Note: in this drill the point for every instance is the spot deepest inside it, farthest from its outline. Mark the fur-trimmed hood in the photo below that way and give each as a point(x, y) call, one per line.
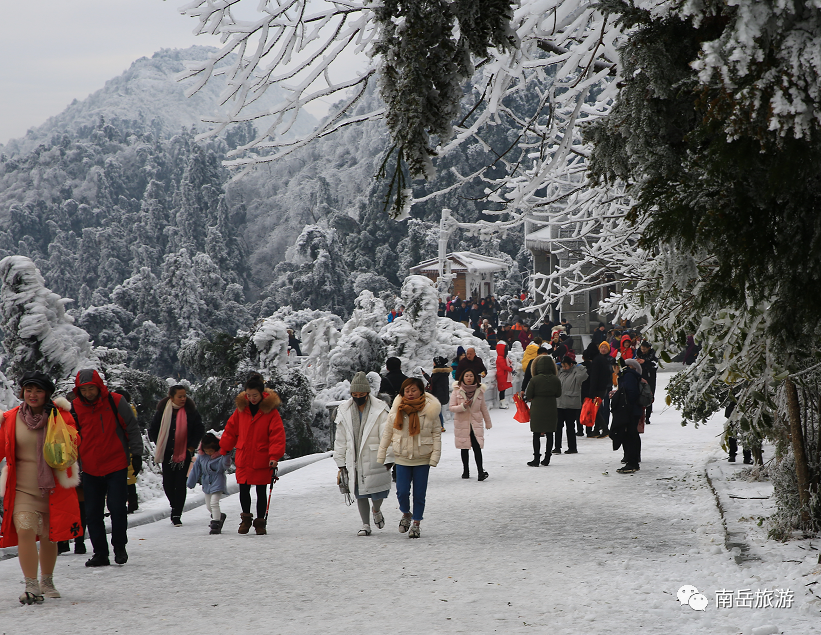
point(270, 401)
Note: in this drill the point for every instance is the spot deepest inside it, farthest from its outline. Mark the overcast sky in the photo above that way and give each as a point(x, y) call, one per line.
point(54, 51)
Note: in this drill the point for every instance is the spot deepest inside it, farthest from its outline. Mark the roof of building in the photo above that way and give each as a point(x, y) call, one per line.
point(463, 262)
point(540, 239)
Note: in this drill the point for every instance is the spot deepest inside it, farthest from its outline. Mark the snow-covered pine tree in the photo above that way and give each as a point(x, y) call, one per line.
point(38, 335)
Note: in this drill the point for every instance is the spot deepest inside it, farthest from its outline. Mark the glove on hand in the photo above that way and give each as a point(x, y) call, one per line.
point(137, 464)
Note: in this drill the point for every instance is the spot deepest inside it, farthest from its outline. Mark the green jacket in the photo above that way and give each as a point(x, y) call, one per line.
point(542, 392)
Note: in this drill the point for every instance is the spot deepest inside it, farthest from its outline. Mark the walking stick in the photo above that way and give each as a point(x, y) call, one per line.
point(274, 479)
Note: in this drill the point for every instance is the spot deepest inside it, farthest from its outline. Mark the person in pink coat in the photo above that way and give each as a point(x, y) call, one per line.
point(470, 417)
point(503, 372)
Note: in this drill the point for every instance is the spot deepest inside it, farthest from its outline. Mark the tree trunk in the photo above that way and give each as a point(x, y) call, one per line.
point(797, 437)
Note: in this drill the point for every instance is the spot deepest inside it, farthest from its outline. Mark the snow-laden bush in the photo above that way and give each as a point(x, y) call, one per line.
point(420, 335)
point(8, 394)
point(296, 319)
point(38, 335)
point(369, 311)
point(319, 337)
point(360, 350)
point(270, 338)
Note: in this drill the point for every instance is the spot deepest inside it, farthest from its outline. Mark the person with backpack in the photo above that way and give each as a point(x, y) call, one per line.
point(439, 384)
point(627, 410)
point(110, 434)
point(177, 430)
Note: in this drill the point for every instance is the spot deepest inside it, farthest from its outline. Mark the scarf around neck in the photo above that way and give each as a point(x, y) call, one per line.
point(470, 390)
point(410, 407)
point(180, 434)
point(38, 423)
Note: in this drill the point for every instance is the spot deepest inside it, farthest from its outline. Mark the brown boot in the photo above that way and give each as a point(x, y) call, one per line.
point(245, 523)
point(259, 525)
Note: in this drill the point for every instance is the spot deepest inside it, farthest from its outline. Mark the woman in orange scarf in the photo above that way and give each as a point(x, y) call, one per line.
point(416, 438)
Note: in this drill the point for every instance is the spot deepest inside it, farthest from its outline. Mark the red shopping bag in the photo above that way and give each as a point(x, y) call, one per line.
point(522, 411)
point(590, 409)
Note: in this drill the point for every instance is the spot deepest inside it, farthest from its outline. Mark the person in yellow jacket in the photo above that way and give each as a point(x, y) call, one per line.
point(531, 351)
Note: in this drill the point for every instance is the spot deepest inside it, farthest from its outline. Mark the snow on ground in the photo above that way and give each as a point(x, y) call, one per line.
point(569, 548)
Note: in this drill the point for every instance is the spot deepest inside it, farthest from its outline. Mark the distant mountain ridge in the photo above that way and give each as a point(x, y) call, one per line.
point(145, 98)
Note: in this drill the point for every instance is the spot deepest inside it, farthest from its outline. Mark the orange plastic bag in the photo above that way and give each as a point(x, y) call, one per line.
point(522, 411)
point(590, 409)
point(60, 447)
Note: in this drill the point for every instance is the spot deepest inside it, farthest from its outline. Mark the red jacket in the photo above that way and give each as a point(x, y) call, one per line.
point(503, 369)
point(64, 510)
point(258, 439)
point(106, 445)
point(625, 347)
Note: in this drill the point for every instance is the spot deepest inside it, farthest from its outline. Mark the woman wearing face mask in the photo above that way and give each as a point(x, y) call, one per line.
point(176, 429)
point(360, 422)
point(415, 435)
point(256, 431)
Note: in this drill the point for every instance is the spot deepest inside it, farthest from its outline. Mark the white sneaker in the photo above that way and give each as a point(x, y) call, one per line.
point(503, 405)
point(414, 531)
point(365, 531)
point(404, 524)
point(378, 520)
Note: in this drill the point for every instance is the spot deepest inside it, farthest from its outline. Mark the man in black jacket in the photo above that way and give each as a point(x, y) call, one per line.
point(601, 383)
point(471, 361)
point(392, 381)
point(646, 356)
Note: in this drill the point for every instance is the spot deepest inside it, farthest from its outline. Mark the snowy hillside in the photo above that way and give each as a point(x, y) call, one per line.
point(145, 98)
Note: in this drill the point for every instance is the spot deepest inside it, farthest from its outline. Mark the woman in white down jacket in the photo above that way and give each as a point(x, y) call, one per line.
point(360, 423)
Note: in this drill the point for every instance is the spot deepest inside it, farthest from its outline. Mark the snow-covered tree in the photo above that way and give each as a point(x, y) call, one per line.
point(358, 350)
point(369, 311)
point(270, 339)
point(38, 334)
point(319, 337)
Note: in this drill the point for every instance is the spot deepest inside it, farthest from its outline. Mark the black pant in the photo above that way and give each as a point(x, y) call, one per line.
point(537, 449)
point(566, 419)
point(174, 484)
point(477, 454)
point(602, 417)
point(632, 442)
point(501, 395)
point(111, 490)
point(245, 499)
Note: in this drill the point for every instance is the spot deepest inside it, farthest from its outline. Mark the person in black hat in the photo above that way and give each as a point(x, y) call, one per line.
point(439, 384)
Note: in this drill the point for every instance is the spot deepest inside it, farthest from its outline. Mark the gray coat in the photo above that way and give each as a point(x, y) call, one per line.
point(572, 381)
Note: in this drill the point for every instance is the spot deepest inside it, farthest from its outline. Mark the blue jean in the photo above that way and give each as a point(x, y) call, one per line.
point(113, 490)
point(418, 475)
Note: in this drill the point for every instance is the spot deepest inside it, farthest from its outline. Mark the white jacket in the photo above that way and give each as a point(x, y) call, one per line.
point(424, 448)
point(363, 469)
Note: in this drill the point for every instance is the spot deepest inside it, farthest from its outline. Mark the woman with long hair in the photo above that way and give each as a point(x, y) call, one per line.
point(470, 418)
point(256, 431)
point(176, 429)
point(415, 435)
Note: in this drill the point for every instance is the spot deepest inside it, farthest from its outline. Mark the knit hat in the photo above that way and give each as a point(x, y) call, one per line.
point(605, 346)
point(634, 364)
point(359, 383)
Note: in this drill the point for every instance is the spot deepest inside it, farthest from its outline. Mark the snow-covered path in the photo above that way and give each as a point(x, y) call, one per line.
point(561, 549)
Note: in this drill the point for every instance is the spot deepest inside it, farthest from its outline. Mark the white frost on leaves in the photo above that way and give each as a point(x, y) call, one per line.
point(319, 337)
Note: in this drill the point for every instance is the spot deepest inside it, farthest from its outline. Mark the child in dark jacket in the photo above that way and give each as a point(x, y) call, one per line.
point(209, 469)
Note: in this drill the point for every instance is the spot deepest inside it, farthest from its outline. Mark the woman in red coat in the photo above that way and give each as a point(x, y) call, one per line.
point(503, 371)
point(38, 501)
point(256, 431)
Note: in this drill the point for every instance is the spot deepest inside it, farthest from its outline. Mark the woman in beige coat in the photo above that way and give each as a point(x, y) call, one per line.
point(415, 435)
point(470, 417)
